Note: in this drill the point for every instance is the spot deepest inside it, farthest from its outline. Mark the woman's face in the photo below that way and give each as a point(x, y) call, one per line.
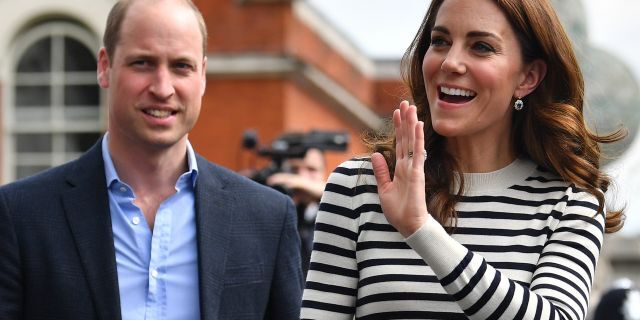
point(472, 70)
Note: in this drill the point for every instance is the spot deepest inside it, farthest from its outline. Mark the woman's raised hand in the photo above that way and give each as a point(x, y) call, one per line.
point(403, 198)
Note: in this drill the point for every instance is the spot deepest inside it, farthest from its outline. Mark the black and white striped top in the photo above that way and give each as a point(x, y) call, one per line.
point(525, 247)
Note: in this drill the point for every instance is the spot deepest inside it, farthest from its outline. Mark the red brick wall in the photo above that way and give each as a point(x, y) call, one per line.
point(231, 106)
point(273, 106)
point(244, 28)
point(309, 47)
point(387, 96)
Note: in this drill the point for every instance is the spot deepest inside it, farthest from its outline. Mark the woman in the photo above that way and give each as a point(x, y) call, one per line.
point(505, 218)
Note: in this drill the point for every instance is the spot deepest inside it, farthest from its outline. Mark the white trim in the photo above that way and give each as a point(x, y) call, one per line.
point(16, 15)
point(238, 65)
point(346, 102)
point(387, 69)
point(327, 32)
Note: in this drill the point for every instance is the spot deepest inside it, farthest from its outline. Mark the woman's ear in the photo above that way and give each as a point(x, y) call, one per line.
point(533, 74)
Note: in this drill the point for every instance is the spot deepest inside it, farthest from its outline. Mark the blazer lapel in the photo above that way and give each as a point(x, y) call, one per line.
point(214, 219)
point(86, 205)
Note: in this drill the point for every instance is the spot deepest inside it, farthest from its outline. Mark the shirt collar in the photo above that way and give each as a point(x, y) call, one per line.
point(112, 175)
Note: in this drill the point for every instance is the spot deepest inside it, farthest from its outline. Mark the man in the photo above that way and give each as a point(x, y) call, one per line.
point(306, 179)
point(141, 227)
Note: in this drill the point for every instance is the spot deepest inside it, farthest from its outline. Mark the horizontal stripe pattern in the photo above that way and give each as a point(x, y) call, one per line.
point(526, 249)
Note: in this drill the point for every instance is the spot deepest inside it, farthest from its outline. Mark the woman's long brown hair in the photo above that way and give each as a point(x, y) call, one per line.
point(550, 131)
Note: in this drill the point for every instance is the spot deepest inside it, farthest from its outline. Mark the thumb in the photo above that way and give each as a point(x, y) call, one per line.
point(380, 171)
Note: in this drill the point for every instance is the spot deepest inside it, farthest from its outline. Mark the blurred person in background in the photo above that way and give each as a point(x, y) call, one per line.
point(305, 179)
point(620, 302)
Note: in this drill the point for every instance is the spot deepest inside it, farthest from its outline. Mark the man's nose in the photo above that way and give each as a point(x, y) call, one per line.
point(162, 84)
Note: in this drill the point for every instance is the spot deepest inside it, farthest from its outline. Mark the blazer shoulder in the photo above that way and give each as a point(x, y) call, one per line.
point(87, 166)
point(214, 176)
point(44, 179)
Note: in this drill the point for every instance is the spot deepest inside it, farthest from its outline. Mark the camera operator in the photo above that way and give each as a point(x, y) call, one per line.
point(306, 179)
point(298, 169)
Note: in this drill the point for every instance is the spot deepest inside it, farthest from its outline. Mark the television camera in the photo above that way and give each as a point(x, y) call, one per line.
point(291, 145)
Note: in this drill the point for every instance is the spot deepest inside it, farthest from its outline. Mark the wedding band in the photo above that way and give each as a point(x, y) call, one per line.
point(410, 154)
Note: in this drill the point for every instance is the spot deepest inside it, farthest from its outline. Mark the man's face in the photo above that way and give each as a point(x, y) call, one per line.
point(156, 77)
point(311, 166)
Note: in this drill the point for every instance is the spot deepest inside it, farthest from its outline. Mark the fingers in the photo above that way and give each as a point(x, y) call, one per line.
point(397, 123)
point(380, 171)
point(402, 131)
point(419, 154)
point(405, 122)
point(410, 120)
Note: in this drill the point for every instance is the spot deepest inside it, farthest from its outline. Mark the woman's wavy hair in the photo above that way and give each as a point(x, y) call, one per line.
point(551, 130)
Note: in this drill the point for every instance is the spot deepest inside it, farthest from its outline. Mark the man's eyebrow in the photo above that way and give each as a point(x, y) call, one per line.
point(139, 55)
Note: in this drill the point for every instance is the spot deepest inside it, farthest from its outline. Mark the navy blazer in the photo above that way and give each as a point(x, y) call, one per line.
point(57, 258)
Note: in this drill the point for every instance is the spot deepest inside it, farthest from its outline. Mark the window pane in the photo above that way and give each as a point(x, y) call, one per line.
point(91, 113)
point(28, 96)
point(33, 114)
point(80, 142)
point(83, 95)
point(33, 142)
point(77, 57)
point(25, 171)
point(37, 58)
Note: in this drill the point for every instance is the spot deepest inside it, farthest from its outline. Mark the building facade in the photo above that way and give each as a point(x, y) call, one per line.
point(273, 66)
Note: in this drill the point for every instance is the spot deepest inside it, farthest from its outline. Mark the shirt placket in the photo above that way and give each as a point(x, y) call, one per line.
point(157, 295)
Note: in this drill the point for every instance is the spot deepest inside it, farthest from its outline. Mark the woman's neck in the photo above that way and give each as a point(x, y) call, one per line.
point(478, 156)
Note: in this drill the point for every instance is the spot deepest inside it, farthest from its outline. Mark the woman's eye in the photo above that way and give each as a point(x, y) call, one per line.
point(483, 47)
point(437, 41)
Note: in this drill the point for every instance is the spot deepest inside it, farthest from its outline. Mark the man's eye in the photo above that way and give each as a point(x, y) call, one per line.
point(183, 66)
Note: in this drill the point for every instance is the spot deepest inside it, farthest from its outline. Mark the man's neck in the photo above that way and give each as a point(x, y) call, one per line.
point(148, 169)
point(151, 172)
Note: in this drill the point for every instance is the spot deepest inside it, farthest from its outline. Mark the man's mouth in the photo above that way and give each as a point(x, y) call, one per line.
point(156, 113)
point(454, 95)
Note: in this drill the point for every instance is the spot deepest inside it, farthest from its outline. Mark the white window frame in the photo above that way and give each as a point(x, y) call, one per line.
point(56, 125)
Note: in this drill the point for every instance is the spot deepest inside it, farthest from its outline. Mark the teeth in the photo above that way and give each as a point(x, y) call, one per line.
point(158, 113)
point(457, 92)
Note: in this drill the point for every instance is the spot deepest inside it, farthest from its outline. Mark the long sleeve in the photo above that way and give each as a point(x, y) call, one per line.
point(561, 282)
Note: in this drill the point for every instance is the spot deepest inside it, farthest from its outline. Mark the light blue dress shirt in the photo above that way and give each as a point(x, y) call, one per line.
point(157, 272)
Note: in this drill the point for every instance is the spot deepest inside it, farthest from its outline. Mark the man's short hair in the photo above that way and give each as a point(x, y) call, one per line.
point(116, 18)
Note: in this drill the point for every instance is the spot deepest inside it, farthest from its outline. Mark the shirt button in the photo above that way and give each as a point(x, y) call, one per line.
point(154, 273)
point(123, 189)
point(135, 220)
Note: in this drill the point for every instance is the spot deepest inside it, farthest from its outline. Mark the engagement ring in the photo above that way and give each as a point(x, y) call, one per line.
point(424, 152)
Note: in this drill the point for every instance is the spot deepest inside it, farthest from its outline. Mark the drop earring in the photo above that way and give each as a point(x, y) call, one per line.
point(518, 105)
